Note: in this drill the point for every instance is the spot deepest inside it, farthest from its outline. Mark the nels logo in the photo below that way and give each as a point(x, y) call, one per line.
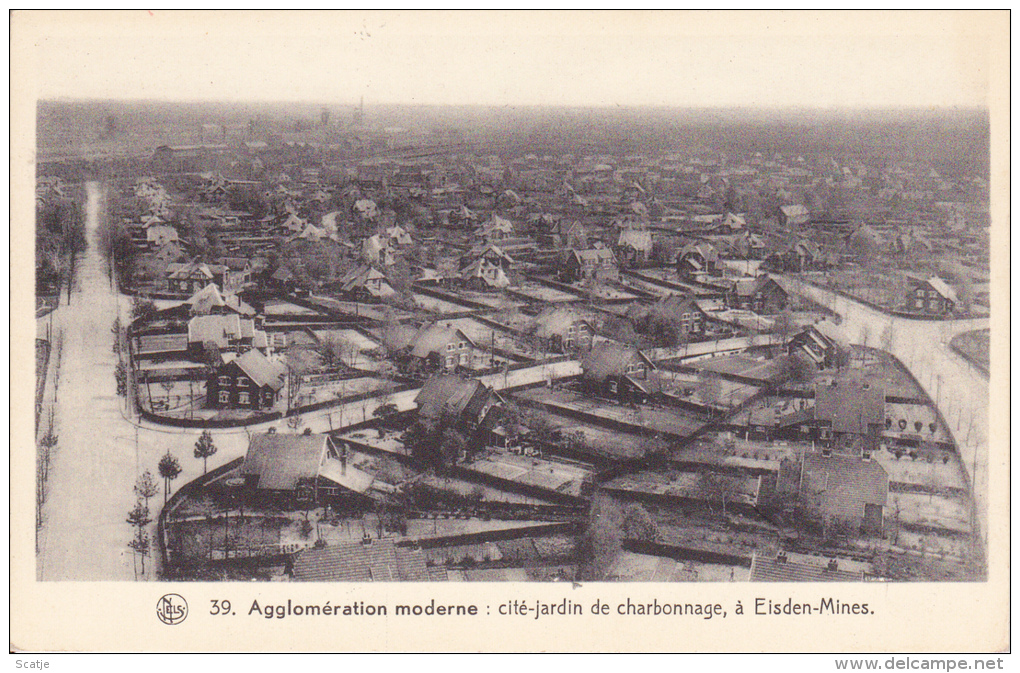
point(172, 609)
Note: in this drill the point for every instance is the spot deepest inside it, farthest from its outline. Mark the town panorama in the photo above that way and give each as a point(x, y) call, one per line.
point(380, 343)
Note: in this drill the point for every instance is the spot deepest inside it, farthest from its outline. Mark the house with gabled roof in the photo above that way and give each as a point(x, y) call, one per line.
point(366, 561)
point(454, 400)
point(819, 348)
point(482, 274)
point(563, 329)
point(366, 284)
point(376, 250)
point(633, 246)
point(305, 469)
point(619, 371)
point(761, 295)
point(190, 277)
point(210, 301)
point(249, 381)
point(850, 413)
point(496, 228)
point(794, 215)
point(430, 348)
point(696, 259)
point(845, 490)
point(596, 264)
point(930, 296)
point(786, 566)
point(227, 332)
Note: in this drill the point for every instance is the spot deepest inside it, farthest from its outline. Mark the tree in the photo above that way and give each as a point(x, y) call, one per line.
point(143, 310)
point(169, 468)
point(713, 487)
point(783, 326)
point(204, 449)
point(798, 369)
point(601, 542)
point(145, 487)
point(332, 350)
point(140, 545)
point(139, 518)
point(709, 387)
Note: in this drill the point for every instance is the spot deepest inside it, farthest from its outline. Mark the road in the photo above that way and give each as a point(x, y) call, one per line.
point(103, 448)
point(959, 390)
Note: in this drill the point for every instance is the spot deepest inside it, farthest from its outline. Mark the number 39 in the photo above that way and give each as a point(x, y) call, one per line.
point(219, 608)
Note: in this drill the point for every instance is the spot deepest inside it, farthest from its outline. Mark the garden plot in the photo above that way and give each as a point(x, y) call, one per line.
point(467, 489)
point(642, 417)
point(173, 398)
point(375, 311)
point(915, 421)
point(929, 510)
point(278, 307)
point(328, 391)
point(544, 293)
point(936, 474)
point(441, 306)
point(670, 275)
point(547, 474)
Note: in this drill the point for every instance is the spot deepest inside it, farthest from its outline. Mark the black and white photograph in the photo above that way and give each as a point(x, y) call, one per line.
point(547, 298)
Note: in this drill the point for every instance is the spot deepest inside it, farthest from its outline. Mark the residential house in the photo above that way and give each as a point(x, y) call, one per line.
point(227, 332)
point(366, 561)
point(398, 236)
point(696, 259)
point(597, 265)
point(430, 348)
point(850, 414)
point(376, 250)
point(455, 401)
point(210, 301)
point(495, 229)
point(563, 330)
point(633, 246)
point(249, 381)
point(844, 491)
point(619, 371)
point(189, 278)
point(236, 272)
point(794, 215)
point(160, 234)
point(819, 348)
point(304, 470)
point(931, 296)
point(365, 284)
point(483, 274)
point(785, 566)
point(676, 318)
point(761, 295)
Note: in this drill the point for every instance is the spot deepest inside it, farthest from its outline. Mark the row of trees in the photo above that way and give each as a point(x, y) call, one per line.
point(146, 488)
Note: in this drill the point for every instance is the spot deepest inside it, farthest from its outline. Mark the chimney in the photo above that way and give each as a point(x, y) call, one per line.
point(833, 565)
point(781, 557)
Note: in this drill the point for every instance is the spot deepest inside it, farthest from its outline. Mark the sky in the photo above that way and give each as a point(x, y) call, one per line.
point(700, 59)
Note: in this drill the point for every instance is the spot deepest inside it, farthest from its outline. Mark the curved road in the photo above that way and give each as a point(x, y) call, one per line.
point(959, 390)
point(102, 449)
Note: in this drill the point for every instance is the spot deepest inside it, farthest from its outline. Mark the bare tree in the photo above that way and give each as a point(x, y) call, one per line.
point(139, 518)
point(145, 487)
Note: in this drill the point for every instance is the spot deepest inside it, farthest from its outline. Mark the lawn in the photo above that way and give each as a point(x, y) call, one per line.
point(975, 346)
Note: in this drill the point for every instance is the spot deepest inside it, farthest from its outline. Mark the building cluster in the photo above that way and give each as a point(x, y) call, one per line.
point(540, 347)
